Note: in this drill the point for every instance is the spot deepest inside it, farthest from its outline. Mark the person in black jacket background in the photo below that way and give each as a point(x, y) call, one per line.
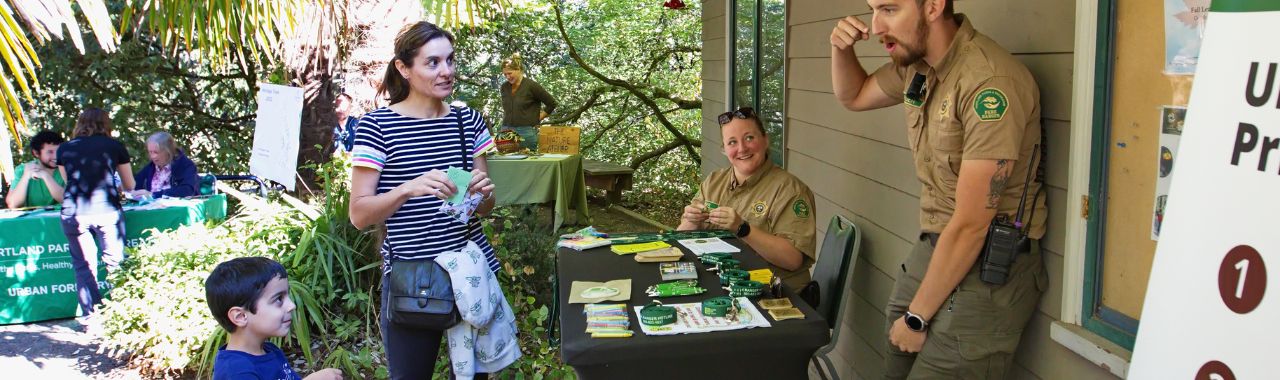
point(170, 173)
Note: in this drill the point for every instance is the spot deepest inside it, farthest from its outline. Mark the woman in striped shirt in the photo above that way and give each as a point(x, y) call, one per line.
point(400, 157)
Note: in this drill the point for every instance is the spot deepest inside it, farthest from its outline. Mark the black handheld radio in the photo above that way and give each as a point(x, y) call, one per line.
point(1006, 238)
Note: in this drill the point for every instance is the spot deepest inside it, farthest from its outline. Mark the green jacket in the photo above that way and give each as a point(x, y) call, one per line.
point(521, 108)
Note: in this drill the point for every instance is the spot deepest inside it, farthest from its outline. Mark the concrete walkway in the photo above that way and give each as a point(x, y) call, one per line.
point(58, 349)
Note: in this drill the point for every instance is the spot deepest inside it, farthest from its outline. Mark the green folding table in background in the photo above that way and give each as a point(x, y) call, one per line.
point(36, 275)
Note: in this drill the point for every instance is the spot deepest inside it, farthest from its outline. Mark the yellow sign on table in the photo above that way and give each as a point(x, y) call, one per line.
point(626, 249)
point(558, 139)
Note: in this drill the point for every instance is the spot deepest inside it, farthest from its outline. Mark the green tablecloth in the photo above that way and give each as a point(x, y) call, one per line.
point(542, 179)
point(35, 263)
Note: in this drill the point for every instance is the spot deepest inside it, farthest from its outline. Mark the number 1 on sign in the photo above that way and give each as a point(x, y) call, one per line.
point(1243, 266)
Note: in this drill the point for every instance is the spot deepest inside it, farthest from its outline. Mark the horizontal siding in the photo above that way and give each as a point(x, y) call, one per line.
point(713, 8)
point(894, 210)
point(884, 125)
point(807, 11)
point(1028, 26)
point(859, 166)
point(714, 27)
point(874, 160)
point(713, 91)
point(715, 50)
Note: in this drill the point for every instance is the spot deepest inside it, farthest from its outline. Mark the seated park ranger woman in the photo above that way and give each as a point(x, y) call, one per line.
point(768, 208)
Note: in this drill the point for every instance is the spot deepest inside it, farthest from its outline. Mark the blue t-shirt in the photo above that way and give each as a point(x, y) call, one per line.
point(239, 365)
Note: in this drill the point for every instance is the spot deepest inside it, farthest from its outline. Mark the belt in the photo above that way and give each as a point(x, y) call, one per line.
point(1023, 247)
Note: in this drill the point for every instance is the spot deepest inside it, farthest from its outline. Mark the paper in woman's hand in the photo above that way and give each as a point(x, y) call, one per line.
point(461, 180)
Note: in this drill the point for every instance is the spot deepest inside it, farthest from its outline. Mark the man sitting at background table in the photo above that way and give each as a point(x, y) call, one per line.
point(768, 208)
point(39, 181)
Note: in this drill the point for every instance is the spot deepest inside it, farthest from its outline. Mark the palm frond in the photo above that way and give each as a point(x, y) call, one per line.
point(451, 12)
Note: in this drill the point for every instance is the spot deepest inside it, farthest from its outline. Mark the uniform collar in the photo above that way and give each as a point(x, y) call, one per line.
point(963, 35)
point(753, 179)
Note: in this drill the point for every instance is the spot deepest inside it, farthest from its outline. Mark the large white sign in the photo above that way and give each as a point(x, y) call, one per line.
point(1212, 312)
point(276, 134)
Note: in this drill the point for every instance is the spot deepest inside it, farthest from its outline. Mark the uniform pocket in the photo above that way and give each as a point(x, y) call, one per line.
point(988, 355)
point(947, 137)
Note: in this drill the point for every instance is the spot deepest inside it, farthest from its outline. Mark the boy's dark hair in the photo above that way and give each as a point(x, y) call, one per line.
point(43, 138)
point(239, 282)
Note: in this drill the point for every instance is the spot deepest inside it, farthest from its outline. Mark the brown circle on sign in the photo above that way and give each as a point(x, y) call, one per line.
point(1242, 295)
point(1208, 370)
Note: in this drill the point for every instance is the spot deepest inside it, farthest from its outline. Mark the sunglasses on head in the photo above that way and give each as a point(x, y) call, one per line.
point(741, 113)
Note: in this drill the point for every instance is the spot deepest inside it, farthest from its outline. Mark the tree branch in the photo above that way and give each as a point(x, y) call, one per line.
point(636, 162)
point(645, 99)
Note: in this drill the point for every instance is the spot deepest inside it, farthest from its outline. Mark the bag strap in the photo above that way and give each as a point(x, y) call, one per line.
point(466, 162)
point(462, 139)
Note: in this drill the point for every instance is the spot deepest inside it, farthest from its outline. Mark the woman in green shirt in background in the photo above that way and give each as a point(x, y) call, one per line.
point(522, 103)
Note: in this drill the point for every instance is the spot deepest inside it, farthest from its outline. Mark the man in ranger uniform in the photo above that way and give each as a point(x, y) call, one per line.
point(973, 125)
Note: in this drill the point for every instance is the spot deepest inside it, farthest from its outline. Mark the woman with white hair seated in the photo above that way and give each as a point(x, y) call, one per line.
point(170, 173)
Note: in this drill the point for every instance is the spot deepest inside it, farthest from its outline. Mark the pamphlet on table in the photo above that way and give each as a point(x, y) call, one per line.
point(708, 245)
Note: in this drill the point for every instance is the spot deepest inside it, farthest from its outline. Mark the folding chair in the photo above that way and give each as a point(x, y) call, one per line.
point(831, 275)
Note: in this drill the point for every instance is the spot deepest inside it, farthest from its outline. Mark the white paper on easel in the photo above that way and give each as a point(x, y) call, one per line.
point(276, 134)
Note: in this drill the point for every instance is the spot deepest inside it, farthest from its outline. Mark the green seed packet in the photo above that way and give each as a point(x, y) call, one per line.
point(460, 178)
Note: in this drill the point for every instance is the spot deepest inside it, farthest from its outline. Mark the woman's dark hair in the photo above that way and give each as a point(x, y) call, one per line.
point(93, 121)
point(239, 282)
point(408, 42)
point(43, 138)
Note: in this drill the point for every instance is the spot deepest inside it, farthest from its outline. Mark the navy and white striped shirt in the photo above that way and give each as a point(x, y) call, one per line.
point(403, 148)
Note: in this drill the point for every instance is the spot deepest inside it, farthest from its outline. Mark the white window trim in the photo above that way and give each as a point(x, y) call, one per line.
point(1069, 331)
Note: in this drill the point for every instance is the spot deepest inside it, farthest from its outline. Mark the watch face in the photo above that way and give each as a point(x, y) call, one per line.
point(914, 322)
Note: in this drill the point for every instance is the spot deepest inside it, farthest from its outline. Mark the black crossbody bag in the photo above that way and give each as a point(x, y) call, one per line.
point(421, 291)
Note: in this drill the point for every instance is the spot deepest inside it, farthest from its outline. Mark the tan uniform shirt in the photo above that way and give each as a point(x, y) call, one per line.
point(980, 103)
point(772, 201)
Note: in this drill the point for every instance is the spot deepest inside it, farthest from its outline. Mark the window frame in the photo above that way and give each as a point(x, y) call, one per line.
point(757, 57)
point(1096, 317)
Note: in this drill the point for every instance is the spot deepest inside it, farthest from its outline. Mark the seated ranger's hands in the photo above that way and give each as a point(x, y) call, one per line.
point(725, 218)
point(695, 213)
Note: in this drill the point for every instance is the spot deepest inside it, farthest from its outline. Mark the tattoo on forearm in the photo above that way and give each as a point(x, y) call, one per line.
point(1000, 179)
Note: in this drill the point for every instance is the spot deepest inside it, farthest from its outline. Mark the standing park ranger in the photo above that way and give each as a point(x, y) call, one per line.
point(973, 124)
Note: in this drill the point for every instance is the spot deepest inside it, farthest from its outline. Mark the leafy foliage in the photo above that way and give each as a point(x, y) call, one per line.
point(658, 51)
point(210, 114)
point(158, 313)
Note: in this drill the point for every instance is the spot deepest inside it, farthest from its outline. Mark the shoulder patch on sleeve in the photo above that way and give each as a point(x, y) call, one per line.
point(990, 104)
point(801, 208)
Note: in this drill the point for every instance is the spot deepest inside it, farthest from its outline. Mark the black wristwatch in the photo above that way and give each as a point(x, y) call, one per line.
point(744, 229)
point(915, 322)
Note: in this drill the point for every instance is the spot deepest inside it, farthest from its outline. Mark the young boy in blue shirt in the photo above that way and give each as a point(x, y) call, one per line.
point(249, 296)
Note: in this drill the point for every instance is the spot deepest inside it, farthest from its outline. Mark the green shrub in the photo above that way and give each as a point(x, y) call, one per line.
point(158, 315)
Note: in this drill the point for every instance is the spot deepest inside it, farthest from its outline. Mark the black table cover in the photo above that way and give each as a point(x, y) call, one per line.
point(778, 352)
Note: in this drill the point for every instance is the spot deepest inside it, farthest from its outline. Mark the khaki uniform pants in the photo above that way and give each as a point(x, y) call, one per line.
point(976, 331)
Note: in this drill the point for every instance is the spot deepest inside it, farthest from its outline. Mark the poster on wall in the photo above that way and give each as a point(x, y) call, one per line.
point(1183, 30)
point(1212, 304)
point(276, 134)
point(1172, 118)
